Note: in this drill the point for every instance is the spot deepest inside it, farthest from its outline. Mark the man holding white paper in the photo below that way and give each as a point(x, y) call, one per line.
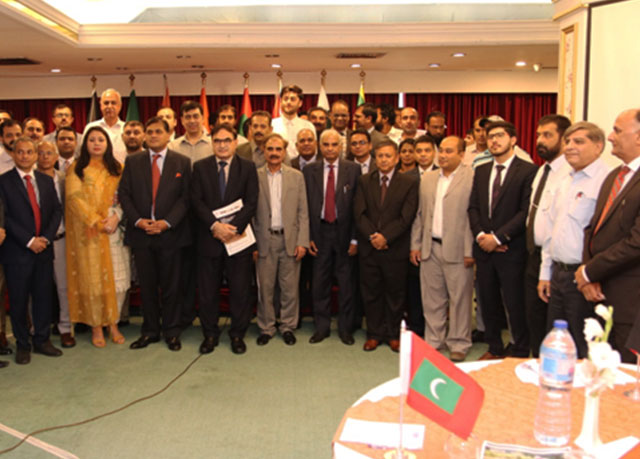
point(218, 182)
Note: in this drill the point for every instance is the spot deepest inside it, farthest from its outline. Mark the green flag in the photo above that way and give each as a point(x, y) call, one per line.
point(435, 385)
point(132, 107)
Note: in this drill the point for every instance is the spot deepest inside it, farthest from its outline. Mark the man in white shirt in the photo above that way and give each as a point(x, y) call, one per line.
point(409, 123)
point(386, 120)
point(340, 117)
point(289, 124)
point(110, 106)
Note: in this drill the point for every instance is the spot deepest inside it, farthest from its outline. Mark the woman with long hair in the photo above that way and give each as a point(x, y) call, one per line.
point(98, 267)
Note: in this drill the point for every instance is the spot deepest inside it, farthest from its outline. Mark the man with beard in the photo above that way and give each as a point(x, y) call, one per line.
point(479, 145)
point(133, 136)
point(340, 116)
point(260, 128)
point(10, 131)
point(289, 124)
point(66, 145)
point(435, 126)
point(33, 128)
point(551, 128)
point(318, 117)
point(63, 117)
point(386, 120)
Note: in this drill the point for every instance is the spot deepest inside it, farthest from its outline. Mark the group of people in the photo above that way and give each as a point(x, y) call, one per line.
point(400, 218)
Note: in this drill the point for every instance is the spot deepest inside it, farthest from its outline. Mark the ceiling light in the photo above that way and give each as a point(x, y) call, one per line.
point(458, 54)
point(521, 64)
point(434, 65)
point(55, 70)
point(355, 66)
point(537, 67)
point(276, 66)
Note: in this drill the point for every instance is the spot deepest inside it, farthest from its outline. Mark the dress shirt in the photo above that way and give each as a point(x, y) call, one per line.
point(365, 166)
point(389, 175)
point(6, 161)
point(633, 165)
point(275, 197)
point(64, 164)
point(115, 132)
point(289, 130)
point(303, 162)
point(571, 210)
point(492, 177)
point(51, 137)
point(394, 134)
point(226, 169)
point(560, 168)
point(324, 183)
point(194, 151)
point(441, 191)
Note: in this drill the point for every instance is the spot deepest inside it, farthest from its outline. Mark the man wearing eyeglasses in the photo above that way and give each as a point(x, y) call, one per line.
point(360, 146)
point(63, 117)
point(339, 116)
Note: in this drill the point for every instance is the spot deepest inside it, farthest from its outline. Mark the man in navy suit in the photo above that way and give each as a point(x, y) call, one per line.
point(154, 195)
point(32, 214)
point(218, 181)
point(331, 185)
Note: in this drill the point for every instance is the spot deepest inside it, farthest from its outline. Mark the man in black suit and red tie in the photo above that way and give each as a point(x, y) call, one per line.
point(154, 195)
point(218, 181)
point(32, 214)
point(497, 212)
point(331, 185)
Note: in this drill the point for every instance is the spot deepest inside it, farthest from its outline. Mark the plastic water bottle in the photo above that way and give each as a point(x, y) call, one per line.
point(552, 425)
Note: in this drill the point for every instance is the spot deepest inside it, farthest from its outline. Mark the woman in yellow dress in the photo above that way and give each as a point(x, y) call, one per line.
point(91, 219)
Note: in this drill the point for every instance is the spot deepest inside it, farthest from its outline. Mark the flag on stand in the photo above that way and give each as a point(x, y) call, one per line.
point(437, 388)
point(361, 99)
point(323, 100)
point(132, 107)
point(275, 113)
point(94, 110)
point(246, 111)
point(166, 100)
point(205, 109)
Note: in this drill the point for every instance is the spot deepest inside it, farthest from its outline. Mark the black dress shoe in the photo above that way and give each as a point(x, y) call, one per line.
point(173, 343)
point(144, 341)
point(3, 363)
point(238, 346)
point(289, 338)
point(477, 336)
point(208, 344)
point(48, 349)
point(263, 339)
point(347, 339)
point(5, 350)
point(317, 337)
point(23, 356)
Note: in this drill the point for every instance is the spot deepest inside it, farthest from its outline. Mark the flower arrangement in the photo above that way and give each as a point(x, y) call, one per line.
point(599, 368)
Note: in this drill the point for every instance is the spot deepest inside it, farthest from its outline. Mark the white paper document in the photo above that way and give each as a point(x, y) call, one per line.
point(383, 434)
point(224, 213)
point(241, 241)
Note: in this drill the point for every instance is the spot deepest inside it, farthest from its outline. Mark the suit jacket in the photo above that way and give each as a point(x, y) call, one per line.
point(295, 162)
point(612, 254)
point(242, 183)
point(508, 219)
point(248, 152)
point(295, 216)
point(19, 221)
point(457, 240)
point(346, 184)
point(172, 199)
point(376, 138)
point(393, 219)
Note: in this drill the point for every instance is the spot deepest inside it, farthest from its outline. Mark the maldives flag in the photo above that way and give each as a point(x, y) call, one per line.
point(437, 388)
point(246, 111)
point(205, 110)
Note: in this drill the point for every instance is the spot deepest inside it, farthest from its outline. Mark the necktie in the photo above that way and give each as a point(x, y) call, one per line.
point(495, 189)
point(34, 203)
point(534, 208)
point(330, 197)
point(222, 179)
point(615, 189)
point(65, 165)
point(383, 188)
point(155, 178)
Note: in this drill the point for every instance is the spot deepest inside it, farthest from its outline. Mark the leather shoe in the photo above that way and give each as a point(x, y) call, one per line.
point(66, 340)
point(394, 344)
point(3, 363)
point(143, 341)
point(371, 345)
point(173, 343)
point(457, 356)
point(317, 338)
point(238, 346)
point(263, 339)
point(23, 356)
point(489, 356)
point(208, 344)
point(347, 339)
point(477, 336)
point(5, 350)
point(289, 338)
point(48, 349)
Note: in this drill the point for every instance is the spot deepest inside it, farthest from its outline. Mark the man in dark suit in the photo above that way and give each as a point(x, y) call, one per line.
point(32, 215)
point(384, 208)
point(218, 181)
point(361, 147)
point(3, 234)
point(340, 117)
point(497, 213)
point(365, 118)
point(154, 195)
point(331, 185)
point(307, 147)
point(611, 257)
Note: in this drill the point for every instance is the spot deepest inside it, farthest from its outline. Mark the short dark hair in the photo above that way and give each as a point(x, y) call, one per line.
point(507, 126)
point(435, 114)
point(226, 127)
point(189, 105)
point(369, 111)
point(213, 117)
point(387, 143)
point(387, 111)
point(67, 128)
point(134, 123)
point(7, 124)
point(426, 139)
point(363, 132)
point(263, 113)
point(562, 122)
point(317, 109)
point(60, 107)
point(409, 141)
point(31, 118)
point(154, 120)
point(292, 88)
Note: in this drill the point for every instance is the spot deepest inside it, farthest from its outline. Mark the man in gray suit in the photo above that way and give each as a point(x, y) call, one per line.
point(260, 128)
point(444, 257)
point(282, 236)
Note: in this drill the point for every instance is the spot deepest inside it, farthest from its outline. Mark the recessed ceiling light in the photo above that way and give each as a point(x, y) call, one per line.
point(458, 54)
point(537, 67)
point(55, 70)
point(434, 65)
point(276, 66)
point(355, 66)
point(521, 64)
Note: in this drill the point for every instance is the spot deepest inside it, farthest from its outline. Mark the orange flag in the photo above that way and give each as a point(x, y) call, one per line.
point(205, 110)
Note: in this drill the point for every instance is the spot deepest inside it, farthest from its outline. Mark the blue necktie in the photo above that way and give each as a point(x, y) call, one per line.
point(222, 180)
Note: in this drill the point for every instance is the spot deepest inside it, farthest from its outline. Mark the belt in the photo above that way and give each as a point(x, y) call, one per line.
point(329, 223)
point(437, 240)
point(59, 236)
point(566, 267)
point(276, 231)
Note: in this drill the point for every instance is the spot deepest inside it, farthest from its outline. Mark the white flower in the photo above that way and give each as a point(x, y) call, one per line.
point(604, 312)
point(603, 356)
point(592, 329)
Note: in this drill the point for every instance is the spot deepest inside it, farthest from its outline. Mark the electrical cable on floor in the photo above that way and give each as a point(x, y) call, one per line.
point(108, 413)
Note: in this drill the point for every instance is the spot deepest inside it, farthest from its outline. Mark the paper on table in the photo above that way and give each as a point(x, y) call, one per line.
point(527, 372)
point(383, 434)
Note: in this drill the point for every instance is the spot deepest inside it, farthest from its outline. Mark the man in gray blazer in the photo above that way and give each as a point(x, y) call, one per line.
point(282, 236)
point(441, 243)
point(260, 128)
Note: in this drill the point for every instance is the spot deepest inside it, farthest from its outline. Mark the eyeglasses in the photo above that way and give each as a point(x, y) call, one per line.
point(226, 141)
point(361, 143)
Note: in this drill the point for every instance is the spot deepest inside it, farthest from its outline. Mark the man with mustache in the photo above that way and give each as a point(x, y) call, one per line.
point(260, 128)
point(110, 106)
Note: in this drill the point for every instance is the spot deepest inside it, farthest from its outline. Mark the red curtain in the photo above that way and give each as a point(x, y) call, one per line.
point(522, 109)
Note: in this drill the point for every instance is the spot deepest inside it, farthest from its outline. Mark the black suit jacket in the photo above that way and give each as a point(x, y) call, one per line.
point(242, 183)
point(19, 222)
point(393, 219)
point(172, 200)
point(508, 219)
point(346, 184)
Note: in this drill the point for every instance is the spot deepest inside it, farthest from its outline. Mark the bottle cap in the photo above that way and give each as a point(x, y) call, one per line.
point(562, 324)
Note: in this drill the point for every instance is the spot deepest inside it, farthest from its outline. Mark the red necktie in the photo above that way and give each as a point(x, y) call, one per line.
point(615, 189)
point(155, 178)
point(34, 203)
point(330, 197)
